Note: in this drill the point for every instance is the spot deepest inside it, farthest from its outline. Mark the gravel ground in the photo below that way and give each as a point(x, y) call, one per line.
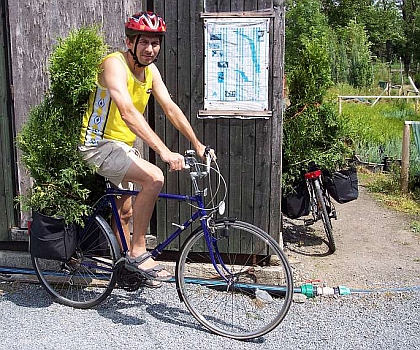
point(155, 319)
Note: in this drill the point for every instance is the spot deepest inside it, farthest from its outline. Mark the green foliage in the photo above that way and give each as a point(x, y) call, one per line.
point(312, 129)
point(49, 138)
point(410, 11)
point(384, 27)
point(339, 62)
point(311, 77)
point(378, 133)
point(382, 20)
point(416, 79)
point(315, 133)
point(304, 22)
point(350, 57)
point(360, 69)
point(71, 66)
point(380, 124)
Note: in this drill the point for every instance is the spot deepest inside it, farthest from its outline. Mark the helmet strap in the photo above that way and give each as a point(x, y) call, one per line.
point(134, 55)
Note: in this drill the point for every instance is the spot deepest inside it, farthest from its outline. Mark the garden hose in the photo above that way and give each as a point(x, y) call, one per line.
point(310, 290)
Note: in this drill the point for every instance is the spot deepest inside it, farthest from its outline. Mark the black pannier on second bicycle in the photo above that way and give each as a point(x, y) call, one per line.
point(342, 185)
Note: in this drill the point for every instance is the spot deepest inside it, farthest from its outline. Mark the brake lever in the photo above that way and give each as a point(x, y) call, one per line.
point(207, 154)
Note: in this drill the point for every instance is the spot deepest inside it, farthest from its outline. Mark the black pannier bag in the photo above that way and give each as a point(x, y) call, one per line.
point(52, 238)
point(296, 204)
point(342, 185)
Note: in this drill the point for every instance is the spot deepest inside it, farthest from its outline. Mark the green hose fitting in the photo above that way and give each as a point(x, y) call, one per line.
point(311, 291)
point(343, 290)
point(307, 290)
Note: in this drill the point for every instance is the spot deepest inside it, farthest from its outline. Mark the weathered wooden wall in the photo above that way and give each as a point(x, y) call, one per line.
point(34, 29)
point(7, 171)
point(249, 151)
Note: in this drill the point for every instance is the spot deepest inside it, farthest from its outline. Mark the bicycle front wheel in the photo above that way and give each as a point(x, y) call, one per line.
point(249, 294)
point(322, 209)
point(88, 277)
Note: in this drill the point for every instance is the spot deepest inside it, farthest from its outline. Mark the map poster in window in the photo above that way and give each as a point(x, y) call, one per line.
point(236, 65)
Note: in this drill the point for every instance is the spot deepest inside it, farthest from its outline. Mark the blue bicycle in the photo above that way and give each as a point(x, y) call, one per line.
point(232, 276)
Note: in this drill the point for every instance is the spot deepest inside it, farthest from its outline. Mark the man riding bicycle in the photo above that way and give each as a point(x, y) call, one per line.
point(115, 118)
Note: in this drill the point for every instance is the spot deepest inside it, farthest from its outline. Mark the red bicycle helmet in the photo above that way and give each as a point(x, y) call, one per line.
point(145, 22)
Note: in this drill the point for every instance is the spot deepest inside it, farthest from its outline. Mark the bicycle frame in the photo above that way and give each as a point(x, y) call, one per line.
point(200, 213)
point(319, 200)
point(311, 177)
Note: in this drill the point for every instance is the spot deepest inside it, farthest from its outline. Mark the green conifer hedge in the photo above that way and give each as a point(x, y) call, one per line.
point(49, 138)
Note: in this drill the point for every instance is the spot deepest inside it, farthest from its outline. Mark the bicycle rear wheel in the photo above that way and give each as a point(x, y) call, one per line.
point(88, 277)
point(326, 220)
point(257, 292)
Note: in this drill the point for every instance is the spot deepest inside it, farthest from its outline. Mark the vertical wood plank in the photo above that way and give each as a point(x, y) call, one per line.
point(262, 163)
point(223, 131)
point(159, 122)
point(7, 218)
point(248, 170)
point(197, 75)
point(184, 98)
point(277, 121)
point(171, 81)
point(217, 130)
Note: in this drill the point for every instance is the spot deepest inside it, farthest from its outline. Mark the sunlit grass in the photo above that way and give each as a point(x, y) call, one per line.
point(385, 188)
point(377, 130)
point(415, 226)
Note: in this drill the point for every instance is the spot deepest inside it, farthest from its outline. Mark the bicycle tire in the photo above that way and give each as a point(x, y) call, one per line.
point(260, 292)
point(88, 277)
point(325, 216)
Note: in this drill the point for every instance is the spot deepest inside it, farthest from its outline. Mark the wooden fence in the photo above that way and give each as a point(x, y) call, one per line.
point(248, 150)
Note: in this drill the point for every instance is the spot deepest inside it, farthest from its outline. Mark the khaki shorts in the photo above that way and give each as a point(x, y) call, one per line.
point(111, 159)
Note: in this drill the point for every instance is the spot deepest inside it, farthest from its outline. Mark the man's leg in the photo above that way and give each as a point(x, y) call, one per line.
point(151, 179)
point(125, 211)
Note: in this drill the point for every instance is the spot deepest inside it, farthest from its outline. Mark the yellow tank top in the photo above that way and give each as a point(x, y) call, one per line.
point(102, 119)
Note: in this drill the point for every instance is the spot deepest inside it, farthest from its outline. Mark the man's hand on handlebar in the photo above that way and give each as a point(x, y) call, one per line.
point(206, 151)
point(175, 161)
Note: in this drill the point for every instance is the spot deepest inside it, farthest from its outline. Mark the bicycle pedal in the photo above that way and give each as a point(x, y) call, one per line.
point(308, 222)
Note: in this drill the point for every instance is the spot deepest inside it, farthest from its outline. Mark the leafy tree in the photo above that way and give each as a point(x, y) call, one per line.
point(311, 77)
point(381, 19)
point(359, 56)
point(304, 22)
point(384, 28)
point(410, 10)
point(341, 12)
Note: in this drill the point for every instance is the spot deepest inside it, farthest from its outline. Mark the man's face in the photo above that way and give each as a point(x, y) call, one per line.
point(147, 48)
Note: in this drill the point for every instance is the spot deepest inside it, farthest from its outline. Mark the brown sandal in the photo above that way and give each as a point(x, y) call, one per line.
point(132, 264)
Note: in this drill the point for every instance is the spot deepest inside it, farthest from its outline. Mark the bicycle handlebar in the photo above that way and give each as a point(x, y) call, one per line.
point(191, 161)
point(197, 172)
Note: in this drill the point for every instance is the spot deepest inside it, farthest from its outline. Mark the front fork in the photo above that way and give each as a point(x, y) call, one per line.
point(216, 258)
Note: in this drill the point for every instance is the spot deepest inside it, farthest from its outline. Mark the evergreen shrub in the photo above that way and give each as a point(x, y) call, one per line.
point(49, 138)
point(312, 129)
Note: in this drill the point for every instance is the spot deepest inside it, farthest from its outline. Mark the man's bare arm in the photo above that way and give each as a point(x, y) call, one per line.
point(114, 78)
point(173, 112)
